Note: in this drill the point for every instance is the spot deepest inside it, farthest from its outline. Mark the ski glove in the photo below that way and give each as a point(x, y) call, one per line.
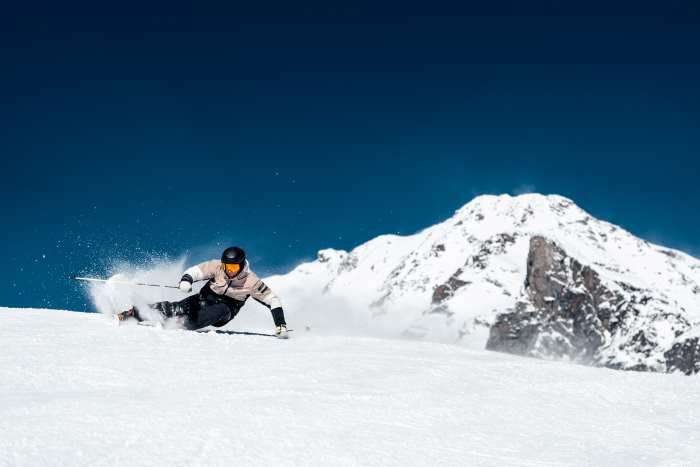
point(186, 283)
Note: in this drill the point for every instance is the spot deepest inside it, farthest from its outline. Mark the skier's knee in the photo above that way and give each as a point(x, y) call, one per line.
point(209, 316)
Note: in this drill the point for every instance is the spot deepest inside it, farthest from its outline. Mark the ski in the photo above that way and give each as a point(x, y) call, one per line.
point(243, 333)
point(153, 324)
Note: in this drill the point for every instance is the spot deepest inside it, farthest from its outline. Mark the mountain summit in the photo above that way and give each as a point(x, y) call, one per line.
point(601, 295)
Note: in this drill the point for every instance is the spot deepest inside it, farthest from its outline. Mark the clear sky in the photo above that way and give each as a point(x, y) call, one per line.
point(128, 131)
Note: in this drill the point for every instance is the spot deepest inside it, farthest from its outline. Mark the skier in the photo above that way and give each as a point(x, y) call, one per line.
point(230, 283)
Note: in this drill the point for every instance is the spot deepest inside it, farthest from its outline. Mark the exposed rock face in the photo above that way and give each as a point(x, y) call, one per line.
point(567, 311)
point(497, 245)
point(444, 292)
point(684, 356)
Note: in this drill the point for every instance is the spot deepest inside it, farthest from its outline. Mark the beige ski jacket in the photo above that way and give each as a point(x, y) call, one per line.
point(245, 284)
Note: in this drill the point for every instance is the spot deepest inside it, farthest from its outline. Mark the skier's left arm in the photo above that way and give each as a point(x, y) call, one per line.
point(263, 294)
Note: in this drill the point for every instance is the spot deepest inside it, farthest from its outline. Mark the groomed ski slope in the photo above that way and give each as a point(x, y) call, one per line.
point(76, 390)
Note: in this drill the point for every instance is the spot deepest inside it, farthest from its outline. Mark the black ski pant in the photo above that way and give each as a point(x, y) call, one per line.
point(201, 310)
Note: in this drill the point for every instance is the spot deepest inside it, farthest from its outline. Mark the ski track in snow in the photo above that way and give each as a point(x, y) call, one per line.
point(76, 390)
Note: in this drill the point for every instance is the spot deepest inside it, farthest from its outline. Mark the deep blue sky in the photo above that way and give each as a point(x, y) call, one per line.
point(159, 129)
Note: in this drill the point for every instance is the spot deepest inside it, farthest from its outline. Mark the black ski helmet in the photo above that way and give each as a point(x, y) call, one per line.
point(233, 255)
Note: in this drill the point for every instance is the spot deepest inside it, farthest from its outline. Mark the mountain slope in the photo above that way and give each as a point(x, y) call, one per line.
point(449, 282)
point(567, 310)
point(78, 391)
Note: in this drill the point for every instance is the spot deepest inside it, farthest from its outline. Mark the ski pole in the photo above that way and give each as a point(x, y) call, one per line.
point(94, 279)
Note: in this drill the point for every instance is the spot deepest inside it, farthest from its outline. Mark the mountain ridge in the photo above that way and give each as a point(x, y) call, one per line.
point(449, 282)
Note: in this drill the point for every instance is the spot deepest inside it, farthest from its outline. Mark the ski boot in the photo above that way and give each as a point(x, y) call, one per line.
point(126, 315)
point(281, 332)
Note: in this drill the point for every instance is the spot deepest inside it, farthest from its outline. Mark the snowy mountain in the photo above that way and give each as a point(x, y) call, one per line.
point(451, 282)
point(77, 391)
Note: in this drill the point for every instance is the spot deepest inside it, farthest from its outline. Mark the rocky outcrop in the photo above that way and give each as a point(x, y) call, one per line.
point(568, 311)
point(496, 245)
point(444, 292)
point(684, 356)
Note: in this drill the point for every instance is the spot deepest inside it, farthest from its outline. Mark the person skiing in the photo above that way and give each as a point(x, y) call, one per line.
point(230, 284)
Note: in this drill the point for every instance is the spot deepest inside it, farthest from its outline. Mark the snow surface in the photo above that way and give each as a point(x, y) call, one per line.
point(76, 390)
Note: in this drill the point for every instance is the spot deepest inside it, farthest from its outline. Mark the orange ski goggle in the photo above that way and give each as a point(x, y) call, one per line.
point(232, 267)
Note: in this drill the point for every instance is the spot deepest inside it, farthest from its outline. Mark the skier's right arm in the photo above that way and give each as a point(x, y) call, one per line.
point(200, 272)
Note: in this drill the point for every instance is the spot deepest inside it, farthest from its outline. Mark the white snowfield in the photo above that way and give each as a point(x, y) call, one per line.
point(77, 391)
